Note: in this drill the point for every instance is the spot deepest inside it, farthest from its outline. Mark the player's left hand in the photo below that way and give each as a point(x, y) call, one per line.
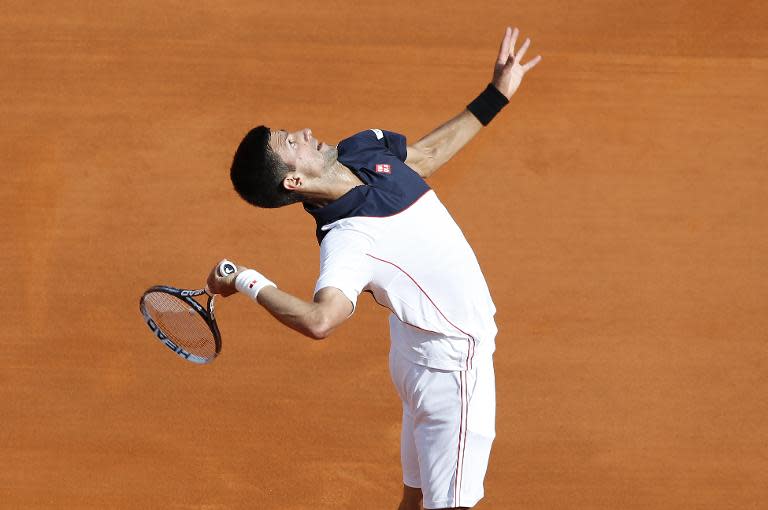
point(508, 72)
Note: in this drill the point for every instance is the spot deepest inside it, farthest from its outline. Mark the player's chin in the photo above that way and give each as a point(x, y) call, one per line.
point(328, 152)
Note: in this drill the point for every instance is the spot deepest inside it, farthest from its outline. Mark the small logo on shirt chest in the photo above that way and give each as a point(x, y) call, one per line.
point(383, 169)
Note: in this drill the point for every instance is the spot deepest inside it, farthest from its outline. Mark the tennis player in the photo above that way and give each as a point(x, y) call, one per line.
point(382, 230)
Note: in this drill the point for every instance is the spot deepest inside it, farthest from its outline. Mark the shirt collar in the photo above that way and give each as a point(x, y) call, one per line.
point(340, 208)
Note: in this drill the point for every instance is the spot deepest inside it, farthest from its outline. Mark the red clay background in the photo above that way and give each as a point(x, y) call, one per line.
point(617, 206)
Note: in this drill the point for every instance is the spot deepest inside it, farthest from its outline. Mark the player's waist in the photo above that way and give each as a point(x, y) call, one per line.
point(442, 350)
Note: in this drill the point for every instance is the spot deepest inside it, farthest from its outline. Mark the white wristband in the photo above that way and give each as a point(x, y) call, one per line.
point(250, 283)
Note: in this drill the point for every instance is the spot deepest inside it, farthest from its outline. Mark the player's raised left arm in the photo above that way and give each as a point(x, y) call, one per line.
point(440, 145)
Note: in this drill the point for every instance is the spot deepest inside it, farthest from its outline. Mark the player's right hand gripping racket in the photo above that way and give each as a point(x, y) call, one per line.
point(181, 323)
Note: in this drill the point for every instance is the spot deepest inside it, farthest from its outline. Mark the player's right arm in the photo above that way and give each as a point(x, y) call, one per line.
point(441, 144)
point(316, 319)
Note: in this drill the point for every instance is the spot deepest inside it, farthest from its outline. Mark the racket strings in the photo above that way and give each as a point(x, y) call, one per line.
point(181, 323)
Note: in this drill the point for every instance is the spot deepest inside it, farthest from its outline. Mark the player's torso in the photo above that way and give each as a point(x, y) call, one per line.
point(419, 263)
point(425, 272)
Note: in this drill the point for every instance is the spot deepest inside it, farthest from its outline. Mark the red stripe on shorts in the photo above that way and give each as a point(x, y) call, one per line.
point(462, 438)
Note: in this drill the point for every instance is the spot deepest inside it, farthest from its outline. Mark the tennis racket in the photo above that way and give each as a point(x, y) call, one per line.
point(181, 323)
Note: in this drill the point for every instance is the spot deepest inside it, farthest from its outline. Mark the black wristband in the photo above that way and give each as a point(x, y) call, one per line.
point(487, 104)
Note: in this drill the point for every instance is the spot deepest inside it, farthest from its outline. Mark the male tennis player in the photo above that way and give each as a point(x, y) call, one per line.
point(383, 230)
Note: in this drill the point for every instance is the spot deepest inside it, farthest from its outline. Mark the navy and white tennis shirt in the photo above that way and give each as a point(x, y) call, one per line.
point(393, 237)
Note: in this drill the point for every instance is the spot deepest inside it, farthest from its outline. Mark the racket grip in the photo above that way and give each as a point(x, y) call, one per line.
point(226, 268)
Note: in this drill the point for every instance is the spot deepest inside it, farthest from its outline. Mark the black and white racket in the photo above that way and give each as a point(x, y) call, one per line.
point(181, 323)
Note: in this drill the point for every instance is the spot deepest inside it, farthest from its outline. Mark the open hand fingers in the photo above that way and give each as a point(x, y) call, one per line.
point(522, 50)
point(511, 54)
point(530, 64)
point(504, 49)
point(509, 69)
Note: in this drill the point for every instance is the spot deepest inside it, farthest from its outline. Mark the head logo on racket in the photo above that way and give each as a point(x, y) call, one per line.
point(182, 324)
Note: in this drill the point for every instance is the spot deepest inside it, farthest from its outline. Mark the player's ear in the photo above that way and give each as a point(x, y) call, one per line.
point(292, 181)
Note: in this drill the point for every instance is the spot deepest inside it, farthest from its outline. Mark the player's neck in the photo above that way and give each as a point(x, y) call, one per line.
point(335, 183)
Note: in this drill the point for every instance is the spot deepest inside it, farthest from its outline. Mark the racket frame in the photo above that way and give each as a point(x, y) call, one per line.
point(207, 313)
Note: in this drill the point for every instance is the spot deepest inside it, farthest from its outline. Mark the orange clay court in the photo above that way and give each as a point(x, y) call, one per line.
point(618, 207)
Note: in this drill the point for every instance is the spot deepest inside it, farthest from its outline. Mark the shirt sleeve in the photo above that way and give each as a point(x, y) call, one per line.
point(395, 142)
point(344, 263)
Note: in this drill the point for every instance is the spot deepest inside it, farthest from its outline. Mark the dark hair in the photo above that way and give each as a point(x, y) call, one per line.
point(257, 173)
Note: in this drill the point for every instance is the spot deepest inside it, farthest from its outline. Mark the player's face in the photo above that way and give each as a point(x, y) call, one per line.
point(302, 151)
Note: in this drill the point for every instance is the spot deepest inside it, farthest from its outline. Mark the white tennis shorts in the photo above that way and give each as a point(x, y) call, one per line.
point(448, 428)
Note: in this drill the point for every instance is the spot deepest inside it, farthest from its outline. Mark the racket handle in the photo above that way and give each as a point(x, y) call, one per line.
point(226, 268)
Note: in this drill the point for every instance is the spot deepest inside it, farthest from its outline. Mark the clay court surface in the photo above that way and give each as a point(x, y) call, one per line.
point(618, 207)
